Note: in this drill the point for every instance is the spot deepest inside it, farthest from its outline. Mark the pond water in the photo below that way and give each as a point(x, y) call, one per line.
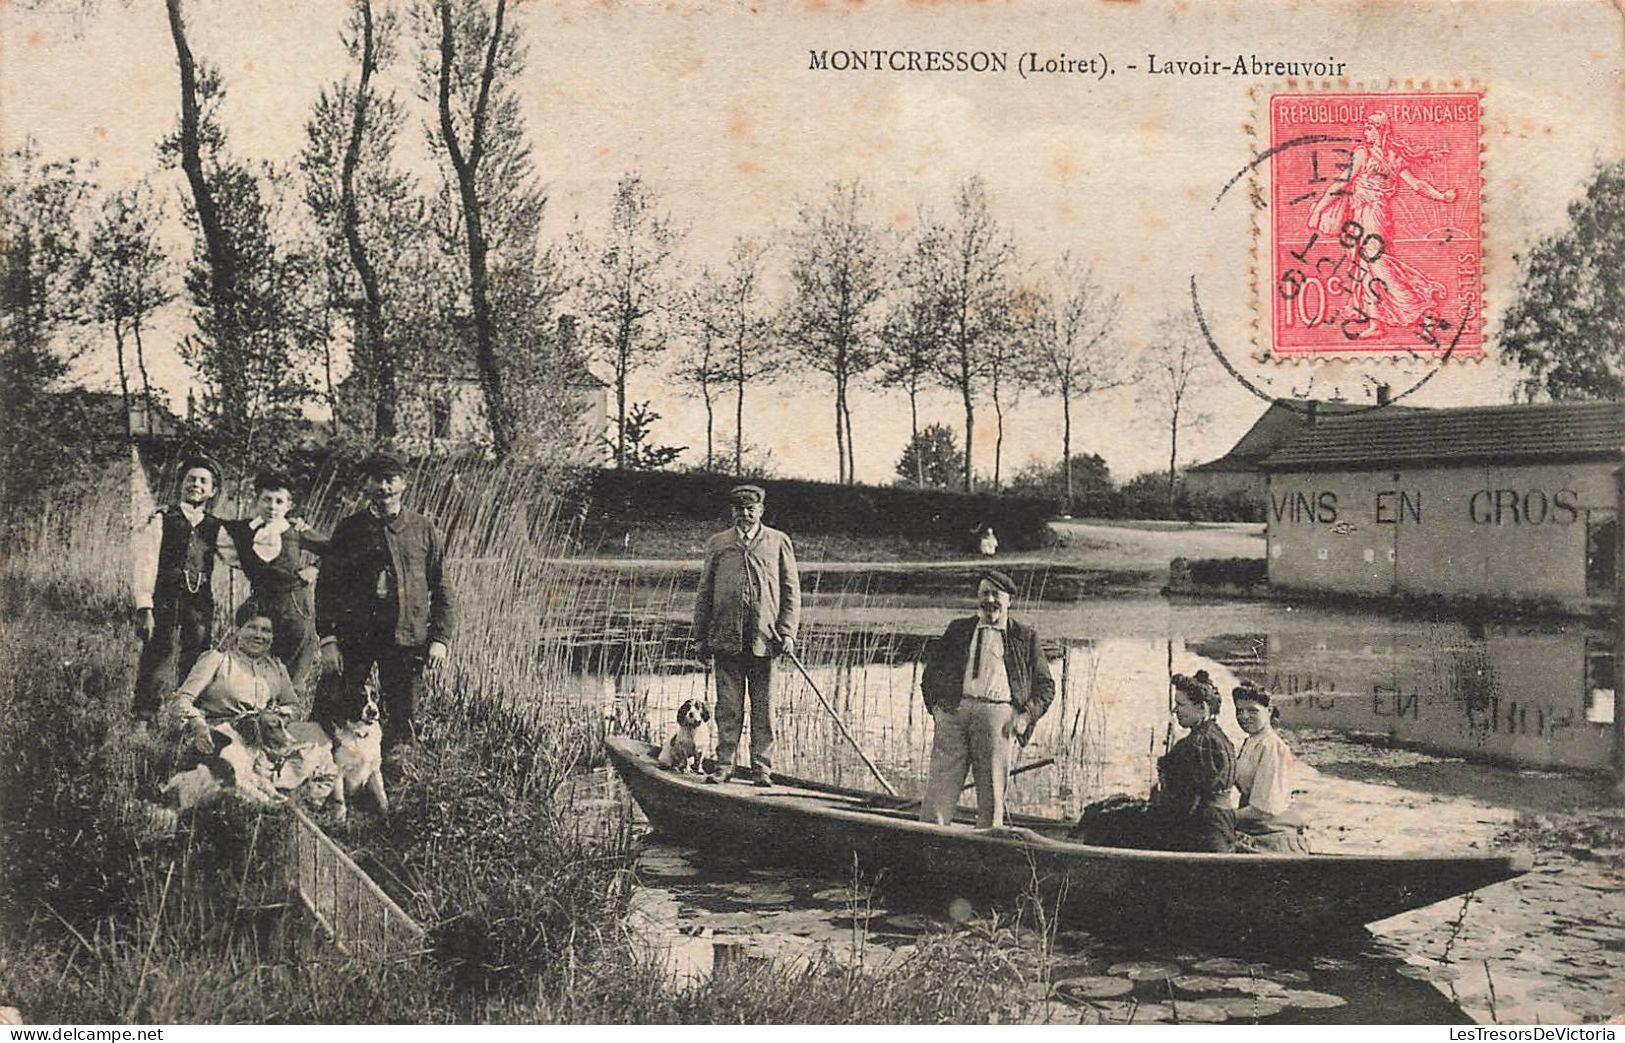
point(1548, 947)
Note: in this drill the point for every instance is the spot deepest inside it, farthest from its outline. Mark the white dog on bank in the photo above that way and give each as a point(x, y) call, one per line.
point(682, 751)
point(358, 754)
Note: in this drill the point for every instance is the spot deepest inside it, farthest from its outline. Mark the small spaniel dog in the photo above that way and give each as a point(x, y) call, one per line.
point(358, 755)
point(682, 750)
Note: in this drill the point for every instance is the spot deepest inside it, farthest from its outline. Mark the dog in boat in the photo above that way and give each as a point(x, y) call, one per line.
point(682, 751)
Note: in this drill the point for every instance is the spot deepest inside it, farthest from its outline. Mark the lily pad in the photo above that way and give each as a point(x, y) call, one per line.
point(1284, 974)
point(1333, 963)
point(1095, 987)
point(1308, 999)
point(843, 895)
point(1222, 965)
point(912, 922)
point(1064, 969)
point(1250, 1007)
point(1205, 1012)
point(1150, 1014)
point(1145, 970)
point(1254, 986)
point(1431, 972)
point(763, 896)
point(1197, 984)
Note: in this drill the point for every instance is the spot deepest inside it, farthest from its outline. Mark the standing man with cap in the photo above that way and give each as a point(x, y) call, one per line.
point(746, 612)
point(986, 682)
point(173, 556)
point(381, 597)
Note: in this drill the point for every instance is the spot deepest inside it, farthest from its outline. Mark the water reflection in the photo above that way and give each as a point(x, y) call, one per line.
point(1546, 947)
point(1525, 694)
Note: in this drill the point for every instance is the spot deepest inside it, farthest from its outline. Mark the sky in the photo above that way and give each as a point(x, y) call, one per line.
point(716, 106)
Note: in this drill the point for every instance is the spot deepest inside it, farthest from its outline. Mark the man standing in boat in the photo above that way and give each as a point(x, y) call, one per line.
point(986, 684)
point(745, 613)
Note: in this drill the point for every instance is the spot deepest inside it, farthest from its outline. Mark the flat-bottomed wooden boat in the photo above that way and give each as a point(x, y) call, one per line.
point(801, 823)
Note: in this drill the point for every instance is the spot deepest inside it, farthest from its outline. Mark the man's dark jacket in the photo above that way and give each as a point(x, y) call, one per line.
point(1031, 685)
point(346, 588)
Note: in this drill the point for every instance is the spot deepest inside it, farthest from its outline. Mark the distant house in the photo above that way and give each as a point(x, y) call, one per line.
point(104, 417)
point(1240, 473)
point(443, 411)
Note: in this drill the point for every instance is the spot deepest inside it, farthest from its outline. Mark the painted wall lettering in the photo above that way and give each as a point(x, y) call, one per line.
point(1299, 507)
point(1395, 505)
point(1529, 507)
point(1391, 702)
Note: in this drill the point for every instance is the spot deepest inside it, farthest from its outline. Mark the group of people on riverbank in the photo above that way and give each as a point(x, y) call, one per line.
point(379, 600)
point(986, 684)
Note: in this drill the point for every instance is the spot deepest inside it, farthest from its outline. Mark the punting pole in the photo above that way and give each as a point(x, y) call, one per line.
point(840, 723)
point(1619, 635)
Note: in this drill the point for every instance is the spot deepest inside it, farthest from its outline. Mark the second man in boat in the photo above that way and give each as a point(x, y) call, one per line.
point(986, 684)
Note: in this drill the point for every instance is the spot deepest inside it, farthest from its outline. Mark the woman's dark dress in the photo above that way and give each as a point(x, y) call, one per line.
point(1188, 811)
point(282, 594)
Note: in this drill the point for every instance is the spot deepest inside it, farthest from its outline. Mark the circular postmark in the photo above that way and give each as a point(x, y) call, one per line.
point(1371, 258)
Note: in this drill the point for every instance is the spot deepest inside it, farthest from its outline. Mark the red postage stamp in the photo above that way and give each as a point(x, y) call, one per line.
point(1374, 224)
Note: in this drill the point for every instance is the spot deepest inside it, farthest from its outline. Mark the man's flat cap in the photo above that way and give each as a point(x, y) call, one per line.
point(746, 495)
point(998, 579)
point(199, 460)
point(384, 463)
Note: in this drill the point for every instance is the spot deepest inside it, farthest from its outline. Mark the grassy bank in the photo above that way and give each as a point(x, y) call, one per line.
point(101, 920)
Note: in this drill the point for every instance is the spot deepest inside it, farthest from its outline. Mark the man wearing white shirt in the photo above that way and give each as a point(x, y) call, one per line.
point(986, 682)
point(173, 556)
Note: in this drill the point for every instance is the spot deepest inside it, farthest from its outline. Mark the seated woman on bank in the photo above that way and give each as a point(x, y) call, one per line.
point(1189, 809)
point(1266, 821)
point(235, 705)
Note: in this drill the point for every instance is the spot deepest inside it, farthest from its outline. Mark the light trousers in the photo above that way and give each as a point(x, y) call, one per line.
point(974, 735)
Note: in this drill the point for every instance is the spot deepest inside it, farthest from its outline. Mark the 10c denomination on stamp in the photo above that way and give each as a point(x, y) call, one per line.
point(1374, 224)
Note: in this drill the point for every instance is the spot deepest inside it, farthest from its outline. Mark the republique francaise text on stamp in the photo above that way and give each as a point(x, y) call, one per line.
point(1374, 224)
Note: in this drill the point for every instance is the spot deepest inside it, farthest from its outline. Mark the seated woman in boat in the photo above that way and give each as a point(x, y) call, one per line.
point(1266, 820)
point(1189, 809)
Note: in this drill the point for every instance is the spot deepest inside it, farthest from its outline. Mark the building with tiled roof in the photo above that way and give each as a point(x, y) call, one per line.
point(1240, 471)
point(1514, 503)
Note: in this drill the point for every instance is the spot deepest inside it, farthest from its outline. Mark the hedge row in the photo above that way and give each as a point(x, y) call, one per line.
point(609, 500)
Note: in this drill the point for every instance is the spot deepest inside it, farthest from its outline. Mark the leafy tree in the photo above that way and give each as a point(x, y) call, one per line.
point(734, 312)
point(911, 338)
point(932, 459)
point(627, 289)
point(129, 280)
point(1566, 328)
point(250, 282)
point(43, 271)
point(640, 452)
point(1084, 477)
point(1176, 356)
point(702, 365)
point(976, 257)
point(368, 213)
point(1070, 337)
point(1012, 363)
point(838, 279)
point(472, 59)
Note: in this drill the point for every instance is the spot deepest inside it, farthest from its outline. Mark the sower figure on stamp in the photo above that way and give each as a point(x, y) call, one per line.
point(173, 556)
point(746, 612)
point(1358, 208)
point(986, 682)
point(382, 598)
point(270, 549)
